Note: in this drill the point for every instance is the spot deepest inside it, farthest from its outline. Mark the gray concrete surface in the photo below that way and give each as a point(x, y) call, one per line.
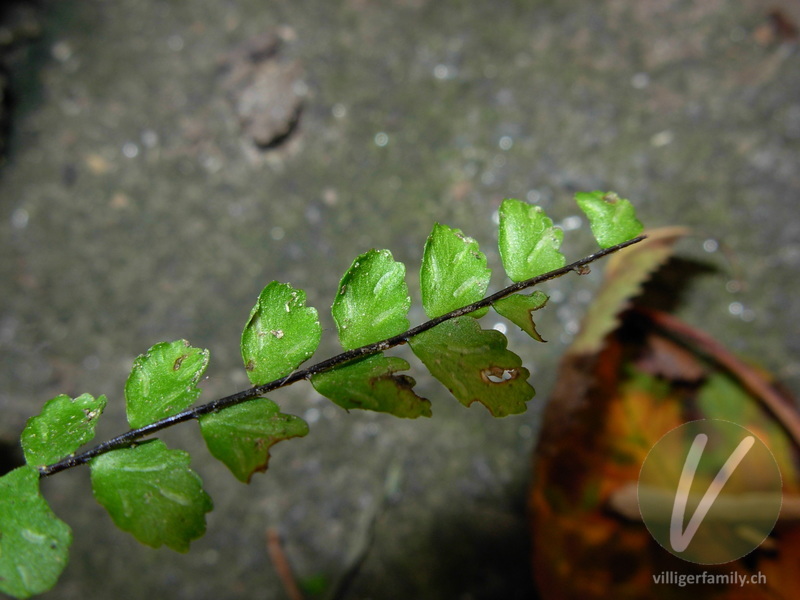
point(135, 207)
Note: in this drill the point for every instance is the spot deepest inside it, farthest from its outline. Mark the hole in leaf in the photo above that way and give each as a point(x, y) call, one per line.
point(498, 375)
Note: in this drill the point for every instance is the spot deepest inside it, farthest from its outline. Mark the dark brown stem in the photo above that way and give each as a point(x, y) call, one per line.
point(130, 437)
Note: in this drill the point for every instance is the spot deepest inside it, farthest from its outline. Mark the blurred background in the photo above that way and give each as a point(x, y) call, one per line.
point(163, 161)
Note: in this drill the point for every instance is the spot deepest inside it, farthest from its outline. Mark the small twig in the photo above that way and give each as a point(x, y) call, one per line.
point(129, 438)
point(281, 564)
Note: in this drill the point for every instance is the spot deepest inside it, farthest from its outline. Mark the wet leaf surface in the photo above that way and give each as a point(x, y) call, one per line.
point(281, 333)
point(163, 382)
point(529, 243)
point(372, 301)
point(63, 426)
point(454, 272)
point(612, 219)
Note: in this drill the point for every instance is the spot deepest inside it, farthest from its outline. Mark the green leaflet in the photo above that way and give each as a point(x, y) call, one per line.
point(281, 333)
point(519, 310)
point(454, 272)
point(34, 543)
point(528, 242)
point(370, 383)
point(612, 219)
point(151, 492)
point(163, 382)
point(474, 365)
point(372, 301)
point(241, 436)
point(62, 427)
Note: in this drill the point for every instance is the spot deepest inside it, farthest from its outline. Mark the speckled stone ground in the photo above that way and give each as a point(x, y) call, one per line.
point(135, 208)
